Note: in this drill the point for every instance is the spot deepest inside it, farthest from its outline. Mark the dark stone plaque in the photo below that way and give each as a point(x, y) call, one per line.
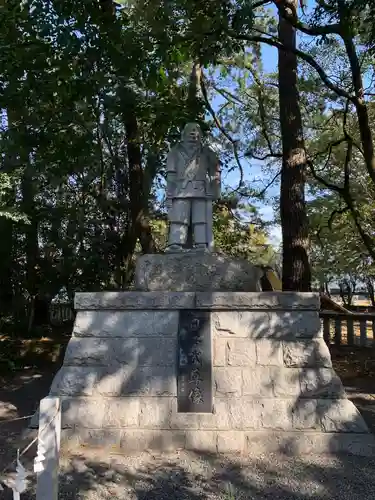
point(194, 376)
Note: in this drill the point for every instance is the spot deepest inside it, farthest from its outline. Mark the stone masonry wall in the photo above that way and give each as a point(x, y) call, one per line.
point(274, 386)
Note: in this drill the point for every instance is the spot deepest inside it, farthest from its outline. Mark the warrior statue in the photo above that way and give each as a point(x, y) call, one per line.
point(193, 183)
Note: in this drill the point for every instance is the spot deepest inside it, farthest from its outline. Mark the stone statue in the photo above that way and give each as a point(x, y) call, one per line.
point(193, 183)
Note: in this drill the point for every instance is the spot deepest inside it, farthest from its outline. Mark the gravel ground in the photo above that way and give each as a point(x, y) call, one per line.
point(186, 475)
point(183, 476)
point(190, 476)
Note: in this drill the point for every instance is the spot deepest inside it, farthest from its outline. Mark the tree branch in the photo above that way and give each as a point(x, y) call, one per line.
point(265, 157)
point(221, 128)
point(305, 57)
point(328, 29)
point(263, 192)
point(334, 214)
point(321, 180)
point(344, 193)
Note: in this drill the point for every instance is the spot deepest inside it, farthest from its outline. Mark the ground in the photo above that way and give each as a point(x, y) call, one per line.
point(191, 476)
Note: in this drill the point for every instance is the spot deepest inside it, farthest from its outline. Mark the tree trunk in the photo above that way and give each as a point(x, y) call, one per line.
point(370, 290)
point(347, 34)
point(138, 199)
point(294, 223)
point(31, 238)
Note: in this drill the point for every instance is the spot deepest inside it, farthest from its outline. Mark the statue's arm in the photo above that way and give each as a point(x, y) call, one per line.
point(215, 175)
point(171, 175)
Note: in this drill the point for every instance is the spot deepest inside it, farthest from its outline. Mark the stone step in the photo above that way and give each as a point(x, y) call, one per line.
point(239, 442)
point(324, 415)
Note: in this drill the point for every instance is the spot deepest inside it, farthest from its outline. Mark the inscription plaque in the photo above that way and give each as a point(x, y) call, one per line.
point(194, 378)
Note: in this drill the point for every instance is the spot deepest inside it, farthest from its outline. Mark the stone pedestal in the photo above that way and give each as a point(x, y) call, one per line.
point(273, 386)
point(194, 272)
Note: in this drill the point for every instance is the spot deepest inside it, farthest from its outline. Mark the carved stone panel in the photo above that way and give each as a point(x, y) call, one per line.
point(194, 378)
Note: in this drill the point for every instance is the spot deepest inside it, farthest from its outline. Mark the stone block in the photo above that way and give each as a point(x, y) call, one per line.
point(286, 443)
point(92, 301)
point(187, 421)
point(305, 415)
point(230, 442)
point(286, 382)
point(194, 271)
point(86, 351)
point(275, 414)
point(114, 381)
point(240, 352)
point(258, 300)
point(321, 383)
point(228, 381)
point(281, 325)
point(307, 443)
point(201, 441)
point(244, 413)
point(126, 324)
point(141, 381)
point(141, 440)
point(89, 351)
point(95, 438)
point(239, 324)
point(269, 352)
point(341, 415)
point(259, 381)
point(168, 440)
point(137, 440)
point(295, 324)
point(157, 352)
point(263, 442)
point(82, 412)
point(121, 412)
point(217, 420)
point(356, 444)
point(306, 353)
point(219, 352)
point(74, 381)
point(156, 413)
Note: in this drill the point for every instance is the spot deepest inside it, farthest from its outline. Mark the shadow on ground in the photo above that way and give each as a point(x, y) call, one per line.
point(184, 475)
point(197, 476)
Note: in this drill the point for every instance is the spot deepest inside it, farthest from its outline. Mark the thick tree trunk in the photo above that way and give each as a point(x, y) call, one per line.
point(296, 268)
point(138, 199)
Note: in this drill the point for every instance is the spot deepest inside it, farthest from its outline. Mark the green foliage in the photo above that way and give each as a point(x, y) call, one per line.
point(240, 234)
point(92, 98)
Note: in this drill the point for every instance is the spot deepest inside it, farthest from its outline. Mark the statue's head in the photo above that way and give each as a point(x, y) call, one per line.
point(192, 133)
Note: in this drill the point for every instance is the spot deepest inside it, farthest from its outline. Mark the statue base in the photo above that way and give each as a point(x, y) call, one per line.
point(266, 377)
point(195, 270)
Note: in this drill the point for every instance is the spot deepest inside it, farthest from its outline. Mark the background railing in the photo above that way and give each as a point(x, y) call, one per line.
point(356, 329)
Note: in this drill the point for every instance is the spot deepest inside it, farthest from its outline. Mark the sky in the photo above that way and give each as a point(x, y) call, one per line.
point(253, 169)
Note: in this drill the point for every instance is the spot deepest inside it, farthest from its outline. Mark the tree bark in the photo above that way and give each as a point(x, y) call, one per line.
point(296, 268)
point(347, 36)
point(138, 199)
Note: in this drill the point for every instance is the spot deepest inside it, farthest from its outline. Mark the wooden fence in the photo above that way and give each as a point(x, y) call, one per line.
point(357, 329)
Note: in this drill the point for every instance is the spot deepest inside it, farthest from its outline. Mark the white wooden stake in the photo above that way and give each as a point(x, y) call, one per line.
point(49, 436)
point(20, 479)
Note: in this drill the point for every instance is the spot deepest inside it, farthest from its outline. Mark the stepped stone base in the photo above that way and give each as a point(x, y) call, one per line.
point(273, 383)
